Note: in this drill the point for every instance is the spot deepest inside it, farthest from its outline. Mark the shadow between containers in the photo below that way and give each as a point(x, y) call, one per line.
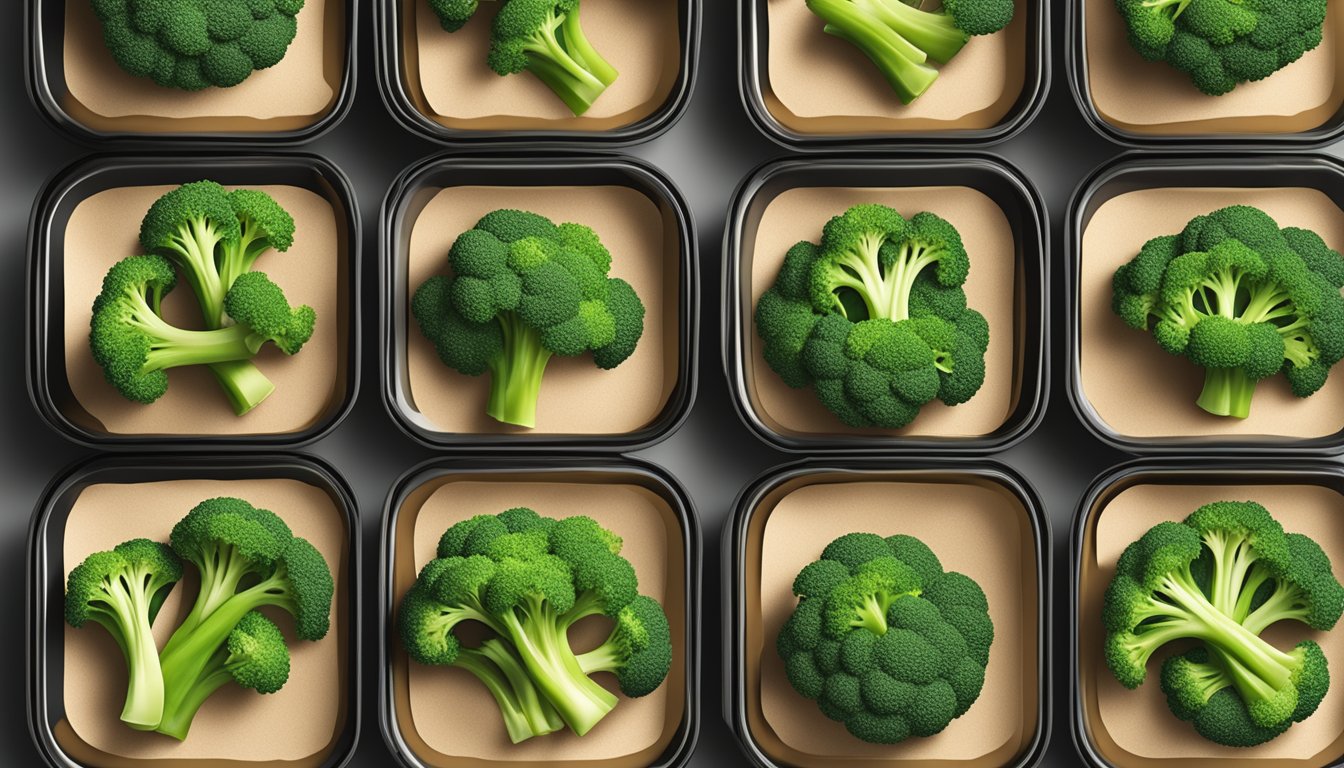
point(412, 488)
point(1026, 215)
point(48, 385)
point(1133, 172)
point(739, 567)
point(44, 21)
point(46, 582)
point(416, 186)
point(390, 19)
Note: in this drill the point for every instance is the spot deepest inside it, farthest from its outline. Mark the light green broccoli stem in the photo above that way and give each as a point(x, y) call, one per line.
point(873, 615)
point(1227, 392)
point(194, 244)
point(1233, 560)
point(221, 571)
point(543, 646)
point(244, 384)
point(552, 62)
point(515, 380)
point(885, 289)
point(900, 62)
point(576, 42)
point(177, 719)
point(131, 629)
point(1167, 6)
point(912, 260)
point(525, 713)
point(936, 34)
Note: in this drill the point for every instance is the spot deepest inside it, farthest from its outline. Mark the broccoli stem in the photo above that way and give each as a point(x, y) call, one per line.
point(525, 712)
point(934, 33)
point(243, 383)
point(515, 381)
point(194, 245)
point(551, 61)
point(900, 62)
point(873, 615)
point(576, 42)
point(130, 626)
point(543, 646)
point(1233, 558)
point(177, 719)
point(1227, 392)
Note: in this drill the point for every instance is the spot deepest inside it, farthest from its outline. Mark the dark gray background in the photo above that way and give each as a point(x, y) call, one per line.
point(707, 153)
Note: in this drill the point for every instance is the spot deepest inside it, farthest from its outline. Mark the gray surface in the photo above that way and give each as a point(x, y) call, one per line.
point(707, 153)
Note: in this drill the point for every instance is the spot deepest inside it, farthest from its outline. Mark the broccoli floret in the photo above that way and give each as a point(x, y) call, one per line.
point(1237, 296)
point(454, 14)
point(884, 640)
point(122, 590)
point(263, 224)
point(196, 44)
point(522, 291)
point(1220, 578)
point(638, 651)
point(544, 37)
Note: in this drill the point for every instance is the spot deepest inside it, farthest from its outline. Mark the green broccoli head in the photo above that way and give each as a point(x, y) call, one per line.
point(544, 37)
point(638, 651)
point(258, 657)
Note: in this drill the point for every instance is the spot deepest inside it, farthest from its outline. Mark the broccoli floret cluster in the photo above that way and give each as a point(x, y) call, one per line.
point(884, 640)
point(213, 237)
point(525, 580)
point(902, 39)
point(522, 290)
point(542, 37)
point(247, 559)
point(1241, 298)
point(875, 318)
point(1221, 43)
point(196, 44)
point(1220, 578)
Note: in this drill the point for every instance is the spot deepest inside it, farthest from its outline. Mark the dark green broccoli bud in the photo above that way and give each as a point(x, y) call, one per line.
point(263, 225)
point(638, 651)
point(544, 37)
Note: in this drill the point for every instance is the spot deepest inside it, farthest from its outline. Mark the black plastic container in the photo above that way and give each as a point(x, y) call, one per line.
point(1026, 216)
point(390, 21)
point(46, 587)
point(648, 478)
point(418, 184)
point(48, 385)
point(1216, 474)
point(753, 74)
point(1131, 173)
point(742, 558)
point(45, 74)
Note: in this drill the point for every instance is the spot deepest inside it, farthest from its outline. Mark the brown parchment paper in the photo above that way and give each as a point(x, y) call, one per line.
point(1135, 728)
point(449, 81)
point(1154, 98)
point(975, 526)
point(293, 94)
point(1116, 362)
point(818, 83)
point(449, 717)
point(300, 722)
point(104, 229)
point(577, 397)
point(799, 214)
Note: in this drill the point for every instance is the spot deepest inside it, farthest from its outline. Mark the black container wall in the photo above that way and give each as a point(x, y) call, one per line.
point(58, 745)
point(49, 386)
point(650, 478)
point(408, 197)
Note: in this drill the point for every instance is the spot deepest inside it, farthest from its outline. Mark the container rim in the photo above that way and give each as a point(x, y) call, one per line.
point(1035, 371)
point(688, 734)
point(1074, 227)
point(733, 537)
point(387, 23)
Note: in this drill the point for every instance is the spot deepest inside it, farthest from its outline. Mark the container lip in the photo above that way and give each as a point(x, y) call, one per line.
point(678, 407)
point(1075, 61)
point(683, 746)
point(35, 588)
point(1074, 226)
point(387, 24)
point(734, 364)
point(39, 235)
point(748, 501)
point(1035, 87)
point(1242, 467)
point(48, 105)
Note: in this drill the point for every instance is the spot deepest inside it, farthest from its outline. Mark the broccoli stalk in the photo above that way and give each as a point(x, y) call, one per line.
point(544, 37)
point(516, 372)
point(526, 714)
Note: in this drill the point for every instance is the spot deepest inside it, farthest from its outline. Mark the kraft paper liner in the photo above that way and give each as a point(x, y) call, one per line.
point(1120, 367)
point(993, 288)
point(447, 79)
point(445, 716)
point(296, 727)
point(104, 228)
point(976, 526)
point(294, 94)
point(1155, 99)
point(1134, 728)
point(577, 397)
point(815, 83)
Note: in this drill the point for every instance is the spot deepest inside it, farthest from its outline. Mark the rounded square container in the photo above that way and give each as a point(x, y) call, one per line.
point(1003, 222)
point(1111, 366)
point(77, 85)
point(639, 215)
point(809, 90)
point(1141, 103)
point(434, 717)
point(1114, 727)
point(88, 217)
point(75, 677)
point(438, 84)
point(979, 519)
